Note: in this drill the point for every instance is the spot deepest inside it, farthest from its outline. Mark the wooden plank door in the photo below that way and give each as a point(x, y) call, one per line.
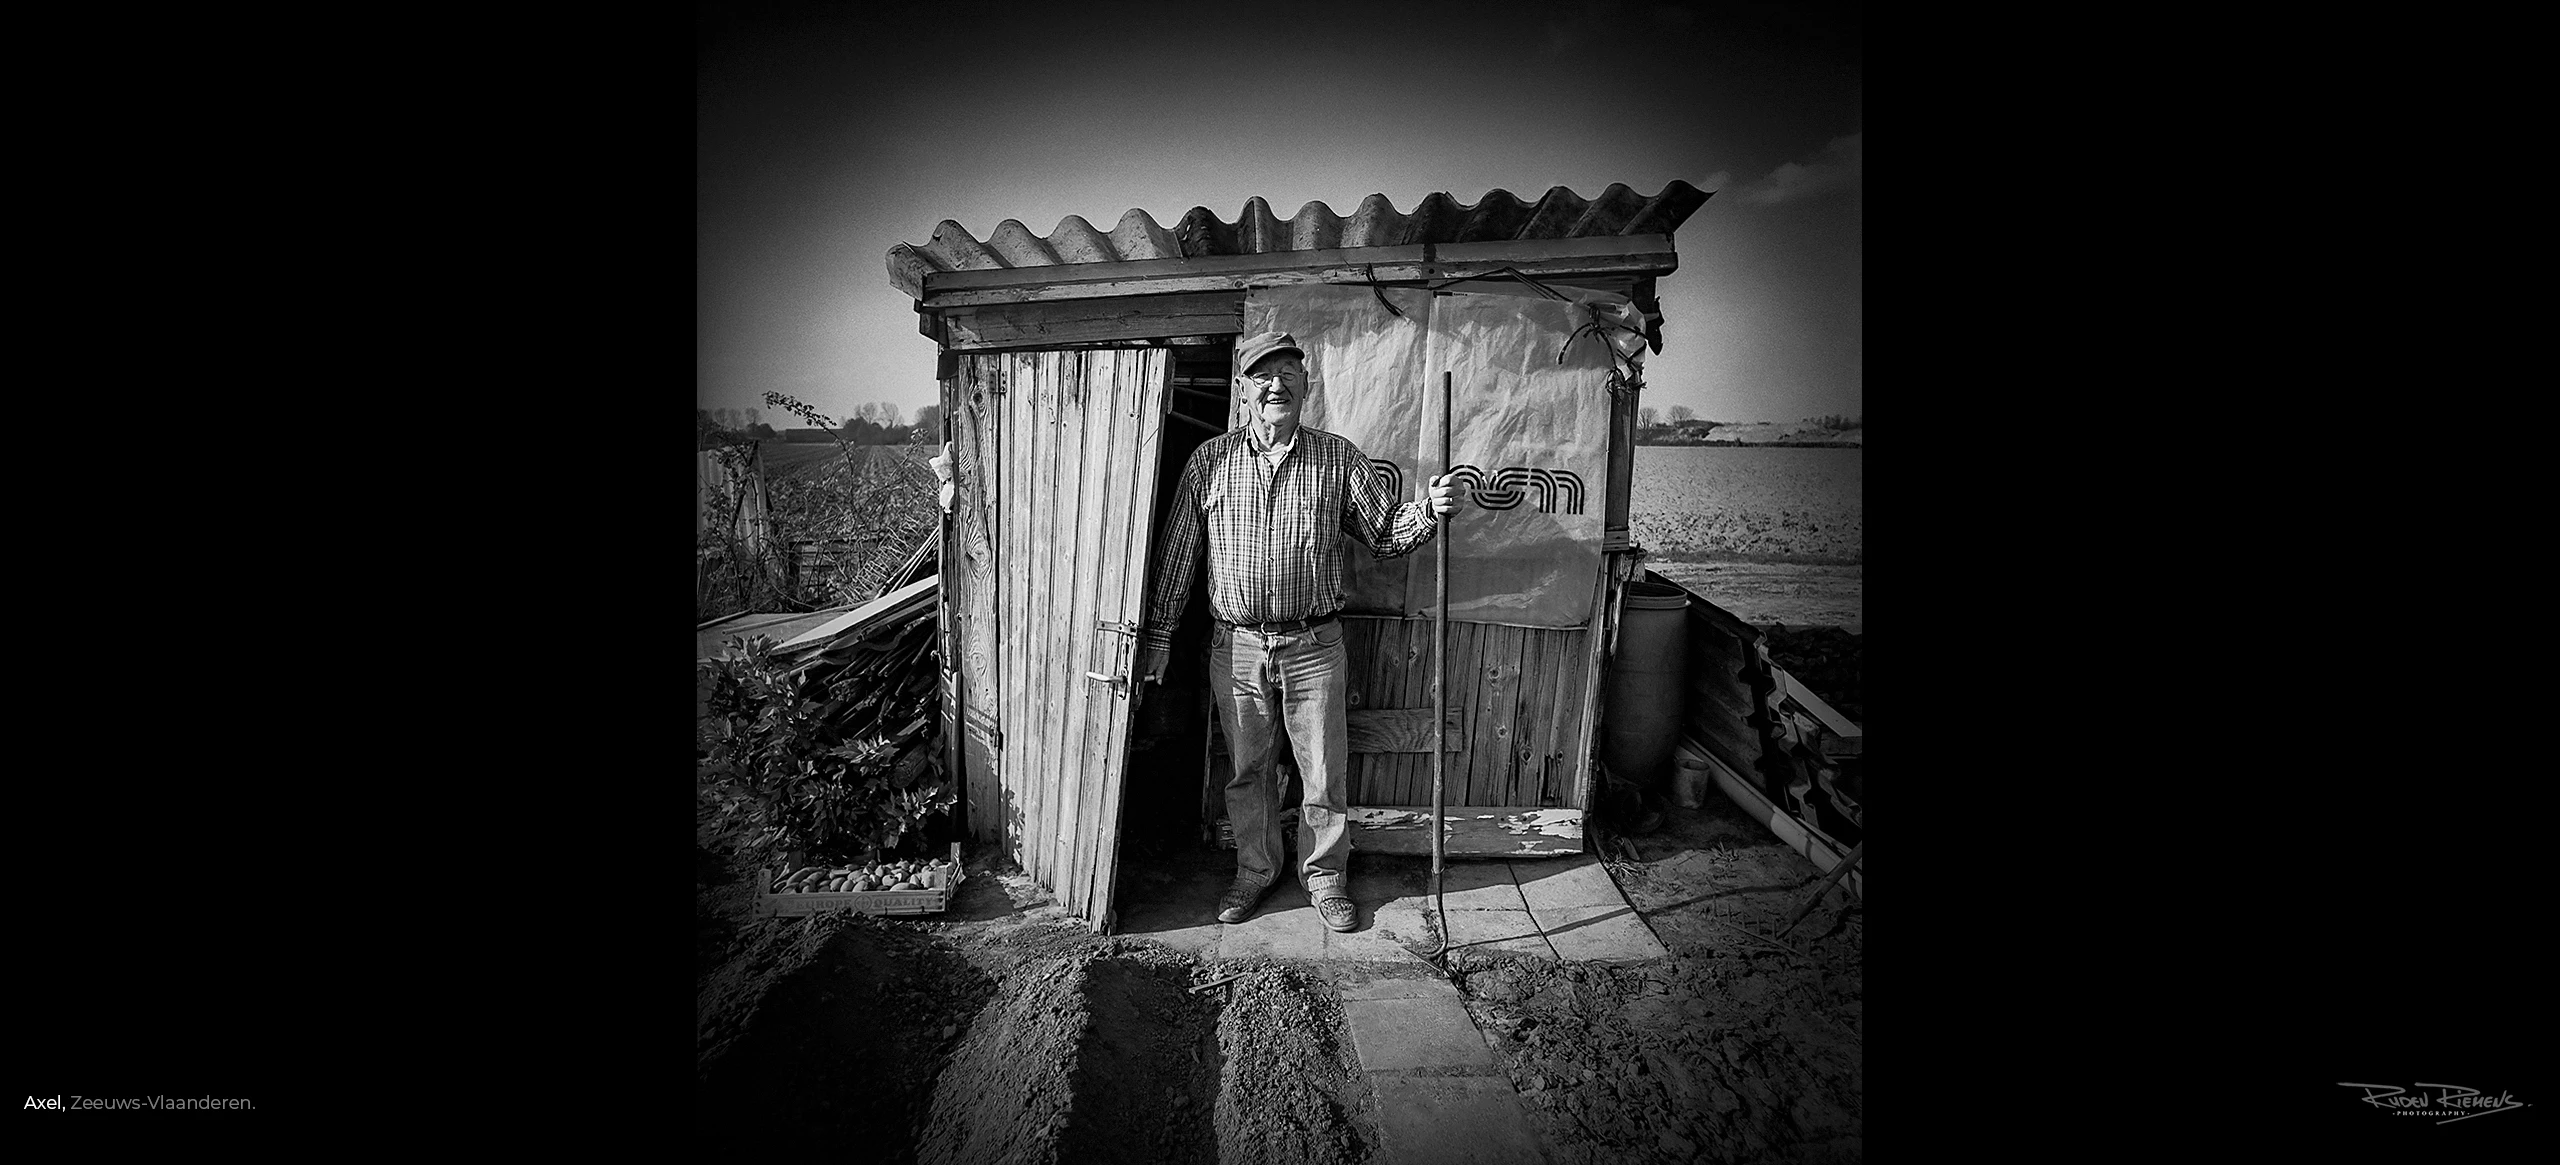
point(969, 587)
point(1078, 434)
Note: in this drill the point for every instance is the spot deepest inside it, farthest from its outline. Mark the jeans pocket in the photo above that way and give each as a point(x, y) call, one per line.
point(1329, 634)
point(1218, 634)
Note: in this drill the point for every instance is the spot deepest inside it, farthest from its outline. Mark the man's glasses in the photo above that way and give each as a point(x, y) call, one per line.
point(1290, 375)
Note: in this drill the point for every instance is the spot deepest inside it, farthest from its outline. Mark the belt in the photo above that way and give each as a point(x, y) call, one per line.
point(1281, 628)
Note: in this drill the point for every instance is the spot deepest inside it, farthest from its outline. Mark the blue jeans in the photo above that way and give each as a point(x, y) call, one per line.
point(1299, 680)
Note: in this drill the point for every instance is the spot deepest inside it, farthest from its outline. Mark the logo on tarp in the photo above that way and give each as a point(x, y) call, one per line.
point(1393, 476)
point(1557, 490)
point(2451, 1102)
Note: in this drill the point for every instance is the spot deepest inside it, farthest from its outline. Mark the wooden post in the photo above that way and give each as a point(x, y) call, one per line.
point(955, 696)
point(1440, 668)
point(1622, 469)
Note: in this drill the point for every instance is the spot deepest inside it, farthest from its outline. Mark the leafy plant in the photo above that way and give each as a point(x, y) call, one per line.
point(793, 764)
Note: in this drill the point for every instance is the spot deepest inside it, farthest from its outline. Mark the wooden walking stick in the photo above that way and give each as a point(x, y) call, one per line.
point(1440, 687)
point(1837, 872)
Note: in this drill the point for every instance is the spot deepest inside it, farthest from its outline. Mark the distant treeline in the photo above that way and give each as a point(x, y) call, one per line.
point(875, 425)
point(1667, 437)
point(1817, 432)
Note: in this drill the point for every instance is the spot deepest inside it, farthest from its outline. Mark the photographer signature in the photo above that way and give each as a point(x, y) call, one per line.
point(2453, 1102)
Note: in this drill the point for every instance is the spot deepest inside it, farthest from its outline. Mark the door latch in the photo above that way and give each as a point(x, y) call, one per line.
point(1128, 631)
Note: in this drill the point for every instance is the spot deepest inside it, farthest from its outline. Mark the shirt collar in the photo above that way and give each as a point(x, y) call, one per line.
point(1253, 440)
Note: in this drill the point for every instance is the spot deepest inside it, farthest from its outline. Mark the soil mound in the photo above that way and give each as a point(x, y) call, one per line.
point(1292, 1091)
point(1004, 1097)
point(1693, 1057)
point(1011, 1034)
point(1095, 1055)
point(1147, 1070)
point(836, 1057)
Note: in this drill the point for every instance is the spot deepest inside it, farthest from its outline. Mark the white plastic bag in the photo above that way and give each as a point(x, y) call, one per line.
point(941, 464)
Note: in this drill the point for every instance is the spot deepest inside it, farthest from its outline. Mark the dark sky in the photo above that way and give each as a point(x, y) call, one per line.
point(828, 133)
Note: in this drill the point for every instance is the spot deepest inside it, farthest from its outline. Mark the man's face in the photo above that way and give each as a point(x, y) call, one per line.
point(1276, 387)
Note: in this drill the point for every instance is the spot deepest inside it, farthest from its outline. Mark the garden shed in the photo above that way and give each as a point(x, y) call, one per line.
point(1080, 369)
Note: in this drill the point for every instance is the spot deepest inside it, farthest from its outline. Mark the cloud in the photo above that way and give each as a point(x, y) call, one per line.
point(1717, 181)
point(1838, 167)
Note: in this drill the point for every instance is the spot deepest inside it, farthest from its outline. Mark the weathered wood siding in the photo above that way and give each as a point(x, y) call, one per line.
point(1073, 476)
point(1726, 682)
point(1517, 692)
point(1054, 325)
point(969, 582)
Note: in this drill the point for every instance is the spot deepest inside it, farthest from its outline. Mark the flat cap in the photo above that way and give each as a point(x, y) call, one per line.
point(1252, 349)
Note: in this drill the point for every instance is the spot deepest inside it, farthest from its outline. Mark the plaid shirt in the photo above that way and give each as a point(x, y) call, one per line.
point(1275, 545)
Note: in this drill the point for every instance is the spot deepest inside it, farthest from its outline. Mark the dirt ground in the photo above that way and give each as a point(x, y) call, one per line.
point(1005, 1031)
point(1737, 1047)
point(1008, 1032)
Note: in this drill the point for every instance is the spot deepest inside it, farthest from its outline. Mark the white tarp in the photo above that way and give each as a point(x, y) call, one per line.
point(1531, 435)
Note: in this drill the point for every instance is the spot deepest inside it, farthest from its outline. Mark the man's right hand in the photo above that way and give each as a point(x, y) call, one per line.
point(1151, 663)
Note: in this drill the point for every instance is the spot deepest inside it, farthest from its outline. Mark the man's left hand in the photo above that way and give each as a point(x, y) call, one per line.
point(1445, 491)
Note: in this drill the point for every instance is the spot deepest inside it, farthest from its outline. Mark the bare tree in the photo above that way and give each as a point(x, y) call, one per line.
point(1648, 416)
point(1681, 413)
point(880, 412)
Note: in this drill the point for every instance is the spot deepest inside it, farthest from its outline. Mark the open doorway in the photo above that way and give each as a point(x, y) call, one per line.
point(1165, 811)
point(1173, 815)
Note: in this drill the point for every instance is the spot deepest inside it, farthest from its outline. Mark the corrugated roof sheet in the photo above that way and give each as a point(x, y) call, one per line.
point(1438, 218)
point(794, 632)
point(778, 626)
point(859, 617)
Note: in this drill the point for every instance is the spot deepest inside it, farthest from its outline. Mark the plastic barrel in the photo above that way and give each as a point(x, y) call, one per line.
point(1645, 684)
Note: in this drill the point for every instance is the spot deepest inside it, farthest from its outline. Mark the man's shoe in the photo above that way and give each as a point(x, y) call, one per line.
point(1238, 902)
point(1338, 912)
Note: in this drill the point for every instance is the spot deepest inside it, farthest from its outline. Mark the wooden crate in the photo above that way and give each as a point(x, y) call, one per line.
point(933, 901)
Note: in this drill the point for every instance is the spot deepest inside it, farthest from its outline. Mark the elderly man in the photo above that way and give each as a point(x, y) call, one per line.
point(1273, 500)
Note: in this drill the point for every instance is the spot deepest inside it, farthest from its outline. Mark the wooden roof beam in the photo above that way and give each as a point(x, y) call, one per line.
point(1613, 255)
